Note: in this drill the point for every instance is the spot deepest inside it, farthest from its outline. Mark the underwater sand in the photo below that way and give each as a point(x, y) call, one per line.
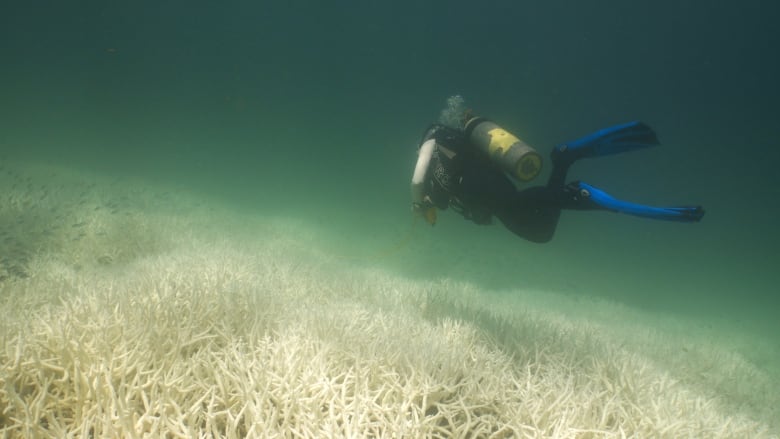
point(134, 310)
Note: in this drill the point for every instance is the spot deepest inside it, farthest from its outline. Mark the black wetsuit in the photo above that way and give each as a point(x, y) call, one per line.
point(465, 179)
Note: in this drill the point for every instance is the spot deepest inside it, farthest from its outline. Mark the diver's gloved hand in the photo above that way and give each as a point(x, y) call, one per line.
point(426, 210)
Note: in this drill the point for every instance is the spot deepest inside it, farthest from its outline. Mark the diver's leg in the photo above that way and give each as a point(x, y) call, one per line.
point(582, 196)
point(532, 213)
point(558, 175)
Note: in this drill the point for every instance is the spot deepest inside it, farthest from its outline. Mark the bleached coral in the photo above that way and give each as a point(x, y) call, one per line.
point(217, 335)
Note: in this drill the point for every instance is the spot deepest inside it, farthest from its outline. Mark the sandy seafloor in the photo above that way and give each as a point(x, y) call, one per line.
point(133, 308)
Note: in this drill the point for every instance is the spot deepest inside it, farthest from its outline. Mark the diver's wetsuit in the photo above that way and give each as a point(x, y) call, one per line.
point(465, 179)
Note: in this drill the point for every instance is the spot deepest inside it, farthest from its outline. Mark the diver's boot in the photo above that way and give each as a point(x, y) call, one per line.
point(613, 140)
point(584, 196)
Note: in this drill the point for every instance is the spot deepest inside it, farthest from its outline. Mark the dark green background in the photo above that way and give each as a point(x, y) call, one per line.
point(312, 110)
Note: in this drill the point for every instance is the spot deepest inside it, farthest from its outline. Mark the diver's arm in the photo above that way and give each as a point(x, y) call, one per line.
point(420, 169)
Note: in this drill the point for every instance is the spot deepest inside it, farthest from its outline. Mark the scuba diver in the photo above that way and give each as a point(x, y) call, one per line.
point(469, 163)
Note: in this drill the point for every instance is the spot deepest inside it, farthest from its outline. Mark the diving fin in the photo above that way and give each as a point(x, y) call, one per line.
point(616, 139)
point(593, 197)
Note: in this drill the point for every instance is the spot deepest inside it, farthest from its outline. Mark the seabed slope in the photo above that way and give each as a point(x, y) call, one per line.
point(133, 311)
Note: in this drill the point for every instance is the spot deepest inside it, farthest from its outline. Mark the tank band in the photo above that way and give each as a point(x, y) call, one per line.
point(471, 124)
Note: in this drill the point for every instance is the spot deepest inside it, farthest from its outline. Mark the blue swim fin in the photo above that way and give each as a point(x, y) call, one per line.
point(616, 139)
point(600, 199)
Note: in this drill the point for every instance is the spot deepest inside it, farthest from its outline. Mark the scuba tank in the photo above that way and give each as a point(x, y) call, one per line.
point(512, 154)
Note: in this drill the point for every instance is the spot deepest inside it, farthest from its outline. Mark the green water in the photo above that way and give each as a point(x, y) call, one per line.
point(313, 110)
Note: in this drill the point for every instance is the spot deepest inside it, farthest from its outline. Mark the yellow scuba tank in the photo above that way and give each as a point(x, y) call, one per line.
point(512, 154)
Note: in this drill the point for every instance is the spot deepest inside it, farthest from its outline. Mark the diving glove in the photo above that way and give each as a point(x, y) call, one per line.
point(426, 210)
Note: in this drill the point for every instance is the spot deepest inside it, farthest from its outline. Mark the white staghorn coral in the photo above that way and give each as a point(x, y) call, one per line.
point(214, 335)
